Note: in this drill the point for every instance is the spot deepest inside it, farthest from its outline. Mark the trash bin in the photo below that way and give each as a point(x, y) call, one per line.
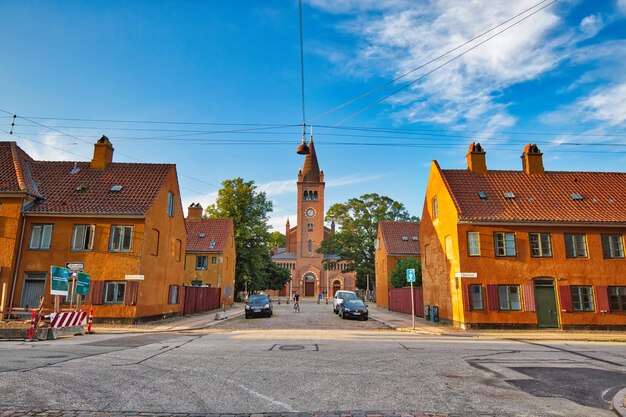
point(427, 312)
point(434, 313)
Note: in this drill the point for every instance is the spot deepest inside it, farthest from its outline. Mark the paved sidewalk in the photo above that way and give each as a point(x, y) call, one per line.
point(64, 413)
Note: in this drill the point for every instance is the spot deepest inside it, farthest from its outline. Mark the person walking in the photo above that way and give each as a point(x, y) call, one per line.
point(296, 302)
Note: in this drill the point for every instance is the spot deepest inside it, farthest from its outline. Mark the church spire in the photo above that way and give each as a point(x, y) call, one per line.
point(311, 169)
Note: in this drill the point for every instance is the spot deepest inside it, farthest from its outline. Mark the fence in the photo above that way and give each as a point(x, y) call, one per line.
point(400, 300)
point(197, 299)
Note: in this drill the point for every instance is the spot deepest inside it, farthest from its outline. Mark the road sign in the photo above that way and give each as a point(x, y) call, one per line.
point(410, 275)
point(60, 280)
point(75, 266)
point(134, 277)
point(82, 283)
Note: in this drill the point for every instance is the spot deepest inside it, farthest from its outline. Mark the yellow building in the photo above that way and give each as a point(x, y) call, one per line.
point(210, 252)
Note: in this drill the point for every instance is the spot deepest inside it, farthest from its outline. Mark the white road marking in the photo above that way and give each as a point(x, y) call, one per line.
point(264, 397)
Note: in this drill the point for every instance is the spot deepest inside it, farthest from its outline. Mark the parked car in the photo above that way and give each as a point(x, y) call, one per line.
point(340, 296)
point(355, 309)
point(259, 305)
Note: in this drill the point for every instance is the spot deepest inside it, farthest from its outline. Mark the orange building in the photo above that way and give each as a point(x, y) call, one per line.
point(395, 241)
point(122, 222)
point(210, 254)
point(312, 273)
point(529, 248)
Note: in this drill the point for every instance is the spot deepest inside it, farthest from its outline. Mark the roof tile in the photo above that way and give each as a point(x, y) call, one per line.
point(393, 234)
point(215, 230)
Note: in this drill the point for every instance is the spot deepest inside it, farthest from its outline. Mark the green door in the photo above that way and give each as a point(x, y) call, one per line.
point(545, 301)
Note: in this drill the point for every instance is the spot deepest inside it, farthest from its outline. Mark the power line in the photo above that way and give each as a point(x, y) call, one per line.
point(442, 65)
point(367, 93)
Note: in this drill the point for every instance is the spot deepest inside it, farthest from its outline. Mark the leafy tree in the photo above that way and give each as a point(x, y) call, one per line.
point(277, 239)
point(358, 220)
point(398, 275)
point(249, 209)
point(274, 276)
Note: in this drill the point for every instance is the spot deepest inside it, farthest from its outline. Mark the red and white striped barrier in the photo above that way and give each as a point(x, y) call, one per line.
point(68, 318)
point(90, 321)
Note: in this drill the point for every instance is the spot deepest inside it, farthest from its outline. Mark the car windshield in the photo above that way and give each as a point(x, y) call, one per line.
point(347, 295)
point(354, 303)
point(258, 299)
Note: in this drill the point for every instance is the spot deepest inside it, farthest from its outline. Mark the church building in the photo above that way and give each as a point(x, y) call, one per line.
point(312, 273)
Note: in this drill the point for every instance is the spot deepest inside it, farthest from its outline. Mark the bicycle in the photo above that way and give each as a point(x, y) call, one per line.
point(296, 306)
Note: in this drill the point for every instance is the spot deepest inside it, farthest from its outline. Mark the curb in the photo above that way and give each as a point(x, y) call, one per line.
point(619, 403)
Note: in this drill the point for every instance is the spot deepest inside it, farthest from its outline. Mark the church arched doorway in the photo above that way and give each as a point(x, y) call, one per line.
point(309, 285)
point(336, 287)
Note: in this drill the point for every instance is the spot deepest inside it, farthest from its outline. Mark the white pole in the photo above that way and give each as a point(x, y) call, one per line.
point(412, 305)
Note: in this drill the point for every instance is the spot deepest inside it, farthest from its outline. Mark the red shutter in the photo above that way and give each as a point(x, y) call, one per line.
point(565, 298)
point(528, 291)
point(96, 292)
point(602, 299)
point(130, 297)
point(492, 297)
point(466, 297)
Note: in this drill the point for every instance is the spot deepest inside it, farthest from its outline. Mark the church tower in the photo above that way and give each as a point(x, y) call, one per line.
point(310, 231)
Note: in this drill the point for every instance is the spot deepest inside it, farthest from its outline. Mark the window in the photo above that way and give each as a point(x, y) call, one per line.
point(310, 245)
point(617, 298)
point(473, 244)
point(612, 246)
point(582, 298)
point(170, 204)
point(157, 239)
point(476, 292)
point(575, 246)
point(114, 292)
point(178, 248)
point(40, 236)
point(214, 260)
point(201, 262)
point(435, 207)
point(82, 238)
point(540, 245)
point(121, 238)
point(504, 243)
point(508, 297)
point(173, 295)
point(309, 227)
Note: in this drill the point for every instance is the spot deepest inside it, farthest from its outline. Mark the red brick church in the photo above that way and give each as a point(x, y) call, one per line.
point(312, 273)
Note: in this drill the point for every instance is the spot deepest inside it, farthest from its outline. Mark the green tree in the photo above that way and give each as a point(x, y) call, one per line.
point(274, 276)
point(398, 275)
point(249, 209)
point(277, 239)
point(358, 220)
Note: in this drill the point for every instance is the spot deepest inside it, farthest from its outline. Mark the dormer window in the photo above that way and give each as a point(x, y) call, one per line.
point(116, 188)
point(212, 244)
point(405, 238)
point(202, 235)
point(509, 195)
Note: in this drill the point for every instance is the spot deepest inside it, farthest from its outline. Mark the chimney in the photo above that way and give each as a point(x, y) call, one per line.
point(532, 160)
point(194, 211)
point(102, 153)
point(476, 161)
point(287, 236)
point(275, 249)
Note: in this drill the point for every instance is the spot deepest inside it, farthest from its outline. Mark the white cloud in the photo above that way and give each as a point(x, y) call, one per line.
point(591, 25)
point(53, 147)
point(352, 179)
point(204, 200)
point(278, 223)
point(621, 4)
point(605, 104)
point(274, 188)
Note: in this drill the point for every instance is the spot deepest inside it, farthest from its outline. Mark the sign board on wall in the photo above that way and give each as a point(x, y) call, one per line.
point(466, 275)
point(59, 284)
point(134, 277)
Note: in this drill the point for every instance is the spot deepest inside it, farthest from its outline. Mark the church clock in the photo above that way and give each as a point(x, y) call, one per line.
point(310, 212)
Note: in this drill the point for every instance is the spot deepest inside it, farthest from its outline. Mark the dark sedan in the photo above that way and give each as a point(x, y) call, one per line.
point(259, 305)
point(353, 309)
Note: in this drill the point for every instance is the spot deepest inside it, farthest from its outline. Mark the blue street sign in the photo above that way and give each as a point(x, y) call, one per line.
point(410, 275)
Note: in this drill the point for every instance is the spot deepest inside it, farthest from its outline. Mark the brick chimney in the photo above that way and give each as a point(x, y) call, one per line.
point(476, 161)
point(194, 211)
point(102, 153)
point(532, 160)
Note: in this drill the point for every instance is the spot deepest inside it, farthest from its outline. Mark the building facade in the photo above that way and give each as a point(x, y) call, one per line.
point(210, 255)
point(395, 241)
point(123, 223)
point(529, 248)
point(312, 273)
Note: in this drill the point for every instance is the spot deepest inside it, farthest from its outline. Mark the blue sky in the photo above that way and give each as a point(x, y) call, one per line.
point(201, 68)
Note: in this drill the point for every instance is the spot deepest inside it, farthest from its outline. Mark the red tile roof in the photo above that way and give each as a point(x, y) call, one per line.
point(399, 237)
point(216, 232)
point(539, 198)
point(15, 174)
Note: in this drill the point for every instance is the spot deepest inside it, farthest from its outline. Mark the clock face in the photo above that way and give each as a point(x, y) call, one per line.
point(310, 212)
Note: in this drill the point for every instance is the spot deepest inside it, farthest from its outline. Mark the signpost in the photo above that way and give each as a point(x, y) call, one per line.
point(410, 277)
point(59, 284)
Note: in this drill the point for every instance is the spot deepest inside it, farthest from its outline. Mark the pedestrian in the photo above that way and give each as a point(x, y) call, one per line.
point(296, 302)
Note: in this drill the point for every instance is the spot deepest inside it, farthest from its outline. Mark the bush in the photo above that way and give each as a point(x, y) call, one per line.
point(398, 275)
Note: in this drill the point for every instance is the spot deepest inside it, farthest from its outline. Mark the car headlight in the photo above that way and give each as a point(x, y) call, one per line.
point(346, 309)
point(266, 306)
point(247, 307)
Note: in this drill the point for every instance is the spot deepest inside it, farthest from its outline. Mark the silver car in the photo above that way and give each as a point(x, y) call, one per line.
point(340, 296)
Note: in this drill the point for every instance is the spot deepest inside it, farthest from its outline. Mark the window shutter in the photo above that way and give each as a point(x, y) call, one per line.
point(466, 298)
point(96, 293)
point(492, 297)
point(130, 297)
point(565, 298)
point(528, 292)
point(606, 246)
point(602, 299)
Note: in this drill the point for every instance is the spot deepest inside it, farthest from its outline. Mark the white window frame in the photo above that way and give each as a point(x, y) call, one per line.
point(582, 298)
point(509, 300)
point(542, 245)
point(579, 245)
point(615, 246)
point(473, 243)
point(40, 236)
point(113, 288)
point(84, 237)
point(476, 297)
point(170, 204)
point(617, 296)
point(123, 231)
point(504, 241)
point(202, 266)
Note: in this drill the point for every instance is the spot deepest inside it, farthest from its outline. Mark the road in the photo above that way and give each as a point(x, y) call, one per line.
point(310, 362)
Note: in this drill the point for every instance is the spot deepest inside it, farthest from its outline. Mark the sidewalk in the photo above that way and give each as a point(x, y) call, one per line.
point(403, 322)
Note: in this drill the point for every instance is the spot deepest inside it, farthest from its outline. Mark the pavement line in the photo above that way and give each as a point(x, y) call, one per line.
point(569, 351)
point(262, 396)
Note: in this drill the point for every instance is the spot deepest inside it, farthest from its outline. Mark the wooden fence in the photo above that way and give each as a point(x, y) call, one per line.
point(400, 300)
point(197, 299)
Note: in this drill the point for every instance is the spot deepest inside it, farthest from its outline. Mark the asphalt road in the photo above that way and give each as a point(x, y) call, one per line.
point(312, 361)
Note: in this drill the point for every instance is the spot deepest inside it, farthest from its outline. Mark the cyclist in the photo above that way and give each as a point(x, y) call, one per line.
point(296, 302)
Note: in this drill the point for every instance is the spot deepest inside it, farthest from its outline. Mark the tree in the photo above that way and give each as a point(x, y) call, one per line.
point(277, 239)
point(249, 209)
point(275, 277)
point(358, 220)
point(398, 275)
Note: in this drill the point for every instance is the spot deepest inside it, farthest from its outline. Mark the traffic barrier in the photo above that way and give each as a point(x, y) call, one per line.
point(68, 318)
point(90, 321)
point(31, 330)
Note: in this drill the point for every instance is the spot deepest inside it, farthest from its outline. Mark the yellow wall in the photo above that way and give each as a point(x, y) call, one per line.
point(10, 227)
